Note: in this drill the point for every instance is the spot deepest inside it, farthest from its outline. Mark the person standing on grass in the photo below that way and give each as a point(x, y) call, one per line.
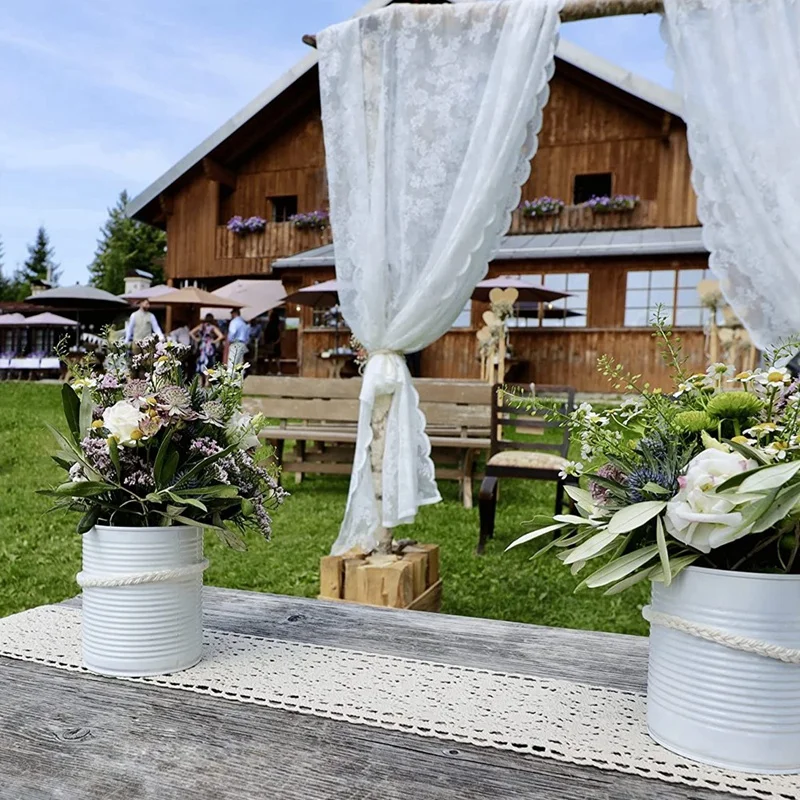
point(141, 324)
point(207, 336)
point(238, 336)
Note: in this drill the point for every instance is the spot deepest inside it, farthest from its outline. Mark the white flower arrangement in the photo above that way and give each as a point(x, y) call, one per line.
point(707, 474)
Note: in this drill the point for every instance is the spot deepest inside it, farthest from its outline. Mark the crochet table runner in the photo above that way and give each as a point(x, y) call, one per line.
point(556, 719)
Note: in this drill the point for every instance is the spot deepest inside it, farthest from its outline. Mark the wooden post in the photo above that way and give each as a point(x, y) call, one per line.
point(575, 10)
point(380, 412)
point(501, 355)
point(713, 345)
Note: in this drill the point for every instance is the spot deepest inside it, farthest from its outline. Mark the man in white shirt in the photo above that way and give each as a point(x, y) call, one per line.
point(142, 323)
point(238, 336)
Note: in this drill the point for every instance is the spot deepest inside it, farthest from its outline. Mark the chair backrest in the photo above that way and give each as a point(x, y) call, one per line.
point(463, 405)
point(514, 413)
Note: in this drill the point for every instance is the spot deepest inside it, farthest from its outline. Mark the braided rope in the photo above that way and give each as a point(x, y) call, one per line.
point(158, 576)
point(733, 640)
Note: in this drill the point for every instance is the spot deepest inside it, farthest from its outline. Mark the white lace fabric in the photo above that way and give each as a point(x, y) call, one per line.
point(431, 115)
point(737, 67)
point(568, 722)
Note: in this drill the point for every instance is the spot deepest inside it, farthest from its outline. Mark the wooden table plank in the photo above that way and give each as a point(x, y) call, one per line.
point(79, 738)
point(70, 736)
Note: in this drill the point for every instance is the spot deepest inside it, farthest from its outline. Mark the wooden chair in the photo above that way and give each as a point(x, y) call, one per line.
point(511, 458)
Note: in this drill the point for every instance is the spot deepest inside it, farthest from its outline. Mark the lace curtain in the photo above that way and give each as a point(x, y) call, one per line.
point(737, 65)
point(430, 114)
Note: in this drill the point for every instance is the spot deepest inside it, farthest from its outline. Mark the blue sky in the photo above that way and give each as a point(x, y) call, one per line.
point(100, 95)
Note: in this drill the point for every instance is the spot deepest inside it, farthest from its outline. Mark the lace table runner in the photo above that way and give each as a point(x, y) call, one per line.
point(571, 722)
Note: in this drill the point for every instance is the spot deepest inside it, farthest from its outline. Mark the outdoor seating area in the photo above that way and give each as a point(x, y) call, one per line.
point(314, 424)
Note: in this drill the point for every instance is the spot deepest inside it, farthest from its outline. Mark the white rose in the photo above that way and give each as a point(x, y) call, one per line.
point(240, 430)
point(121, 420)
point(699, 517)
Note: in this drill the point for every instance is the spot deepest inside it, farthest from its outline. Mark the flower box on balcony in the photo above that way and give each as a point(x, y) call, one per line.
point(584, 218)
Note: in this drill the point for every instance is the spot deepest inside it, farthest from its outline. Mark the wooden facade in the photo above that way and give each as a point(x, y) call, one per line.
point(277, 160)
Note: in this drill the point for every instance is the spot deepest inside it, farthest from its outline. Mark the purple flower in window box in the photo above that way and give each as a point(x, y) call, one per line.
point(255, 224)
point(311, 221)
point(542, 207)
point(236, 225)
point(619, 202)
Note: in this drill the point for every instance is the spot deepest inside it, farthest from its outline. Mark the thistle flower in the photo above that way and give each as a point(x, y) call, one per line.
point(640, 477)
point(734, 405)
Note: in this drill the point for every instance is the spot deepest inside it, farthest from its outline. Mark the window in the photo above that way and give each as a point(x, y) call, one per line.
point(575, 283)
point(464, 319)
point(585, 187)
point(281, 208)
point(674, 290)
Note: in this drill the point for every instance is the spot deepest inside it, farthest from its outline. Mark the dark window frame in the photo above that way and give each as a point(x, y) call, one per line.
point(589, 191)
point(282, 207)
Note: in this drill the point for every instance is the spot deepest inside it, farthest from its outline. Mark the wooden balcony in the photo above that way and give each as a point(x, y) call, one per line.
point(580, 218)
point(277, 240)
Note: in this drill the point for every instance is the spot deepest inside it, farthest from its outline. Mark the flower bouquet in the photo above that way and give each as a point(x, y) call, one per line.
point(619, 202)
point(541, 207)
point(698, 491)
point(152, 461)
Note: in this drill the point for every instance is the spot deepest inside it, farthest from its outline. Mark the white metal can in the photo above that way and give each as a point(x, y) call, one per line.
point(149, 628)
point(715, 704)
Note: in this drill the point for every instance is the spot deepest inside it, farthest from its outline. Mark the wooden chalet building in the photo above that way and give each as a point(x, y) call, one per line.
point(606, 131)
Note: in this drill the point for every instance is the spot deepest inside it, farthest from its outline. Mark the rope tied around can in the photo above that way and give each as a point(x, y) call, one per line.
point(735, 641)
point(86, 580)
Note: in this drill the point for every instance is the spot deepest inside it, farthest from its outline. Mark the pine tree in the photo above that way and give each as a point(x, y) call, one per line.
point(126, 245)
point(38, 266)
point(7, 288)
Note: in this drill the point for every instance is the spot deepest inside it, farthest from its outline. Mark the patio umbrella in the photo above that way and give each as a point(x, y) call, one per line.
point(528, 291)
point(149, 293)
point(49, 320)
point(259, 296)
point(318, 294)
point(77, 298)
point(12, 320)
point(192, 296)
point(531, 311)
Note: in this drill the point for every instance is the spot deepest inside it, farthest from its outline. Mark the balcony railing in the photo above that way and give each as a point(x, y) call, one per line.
point(277, 240)
point(281, 239)
point(581, 218)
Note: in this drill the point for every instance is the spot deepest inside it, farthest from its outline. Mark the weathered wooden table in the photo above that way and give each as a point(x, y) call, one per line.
point(71, 736)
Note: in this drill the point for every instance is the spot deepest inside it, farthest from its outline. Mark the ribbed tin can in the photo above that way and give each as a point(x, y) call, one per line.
point(718, 705)
point(149, 628)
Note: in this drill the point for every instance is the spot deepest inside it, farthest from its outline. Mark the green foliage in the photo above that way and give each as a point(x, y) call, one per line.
point(663, 489)
point(39, 265)
point(124, 245)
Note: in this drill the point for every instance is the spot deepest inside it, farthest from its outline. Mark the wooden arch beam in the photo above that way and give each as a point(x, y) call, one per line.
point(575, 10)
point(214, 171)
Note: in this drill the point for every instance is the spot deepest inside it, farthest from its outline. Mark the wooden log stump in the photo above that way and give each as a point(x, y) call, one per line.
point(408, 580)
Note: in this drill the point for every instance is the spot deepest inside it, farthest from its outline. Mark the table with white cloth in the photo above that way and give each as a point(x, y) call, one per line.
point(308, 699)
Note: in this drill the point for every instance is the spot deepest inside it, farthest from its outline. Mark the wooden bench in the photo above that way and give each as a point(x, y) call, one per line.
point(319, 416)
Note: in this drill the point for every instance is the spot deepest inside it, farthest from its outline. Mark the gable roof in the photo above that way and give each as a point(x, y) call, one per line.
point(570, 53)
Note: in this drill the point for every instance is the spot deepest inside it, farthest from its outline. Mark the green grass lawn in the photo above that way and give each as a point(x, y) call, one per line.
point(40, 552)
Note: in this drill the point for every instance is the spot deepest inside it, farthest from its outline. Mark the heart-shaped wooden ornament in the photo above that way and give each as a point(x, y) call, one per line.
point(490, 318)
point(505, 296)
